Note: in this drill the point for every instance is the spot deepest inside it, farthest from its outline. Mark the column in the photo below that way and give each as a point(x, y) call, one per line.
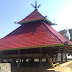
point(56, 55)
point(61, 57)
point(18, 64)
point(40, 58)
point(65, 57)
point(13, 62)
point(40, 61)
point(1, 57)
point(24, 60)
point(32, 60)
point(46, 60)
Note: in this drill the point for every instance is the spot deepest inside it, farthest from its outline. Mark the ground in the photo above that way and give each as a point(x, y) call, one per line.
point(65, 67)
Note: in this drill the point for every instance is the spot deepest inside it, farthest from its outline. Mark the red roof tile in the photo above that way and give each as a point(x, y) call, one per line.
point(34, 16)
point(58, 35)
point(32, 34)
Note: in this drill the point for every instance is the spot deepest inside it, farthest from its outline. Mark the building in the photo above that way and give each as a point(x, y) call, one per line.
point(34, 39)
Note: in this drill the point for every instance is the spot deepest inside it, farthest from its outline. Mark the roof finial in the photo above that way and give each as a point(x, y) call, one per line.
point(36, 7)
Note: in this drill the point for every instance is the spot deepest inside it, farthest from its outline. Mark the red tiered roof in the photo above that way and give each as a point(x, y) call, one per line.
point(34, 16)
point(32, 34)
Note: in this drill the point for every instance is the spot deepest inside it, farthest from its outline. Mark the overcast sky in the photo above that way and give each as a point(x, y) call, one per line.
point(59, 11)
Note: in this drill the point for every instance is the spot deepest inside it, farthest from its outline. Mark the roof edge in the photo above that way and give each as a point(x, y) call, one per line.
point(54, 45)
point(30, 21)
point(52, 33)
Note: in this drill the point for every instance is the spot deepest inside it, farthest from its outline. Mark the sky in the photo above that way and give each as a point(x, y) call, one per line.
point(58, 11)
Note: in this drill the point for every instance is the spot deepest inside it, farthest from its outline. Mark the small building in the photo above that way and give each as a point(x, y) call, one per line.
point(35, 44)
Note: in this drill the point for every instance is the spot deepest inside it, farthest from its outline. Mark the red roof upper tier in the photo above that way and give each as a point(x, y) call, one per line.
point(34, 16)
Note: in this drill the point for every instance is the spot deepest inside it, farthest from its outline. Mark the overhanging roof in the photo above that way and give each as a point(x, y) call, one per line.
point(34, 34)
point(35, 16)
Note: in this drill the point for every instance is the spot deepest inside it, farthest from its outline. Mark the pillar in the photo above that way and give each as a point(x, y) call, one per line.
point(65, 57)
point(40, 61)
point(46, 60)
point(56, 55)
point(1, 60)
point(61, 57)
point(32, 60)
point(21, 60)
point(24, 60)
point(18, 64)
point(13, 62)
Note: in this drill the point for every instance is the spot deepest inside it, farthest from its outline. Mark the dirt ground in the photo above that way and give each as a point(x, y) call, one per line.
point(65, 67)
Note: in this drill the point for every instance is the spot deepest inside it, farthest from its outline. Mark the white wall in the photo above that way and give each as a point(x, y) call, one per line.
point(5, 67)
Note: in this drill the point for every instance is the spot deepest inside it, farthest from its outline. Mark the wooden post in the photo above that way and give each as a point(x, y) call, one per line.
point(40, 59)
point(65, 57)
point(46, 60)
point(18, 64)
point(61, 57)
point(49, 59)
point(21, 60)
point(13, 62)
point(32, 60)
point(1, 57)
point(24, 60)
point(56, 55)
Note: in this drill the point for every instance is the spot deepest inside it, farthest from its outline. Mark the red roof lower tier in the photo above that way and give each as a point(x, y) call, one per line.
point(32, 34)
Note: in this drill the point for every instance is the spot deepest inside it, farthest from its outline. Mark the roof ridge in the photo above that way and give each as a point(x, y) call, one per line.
point(52, 32)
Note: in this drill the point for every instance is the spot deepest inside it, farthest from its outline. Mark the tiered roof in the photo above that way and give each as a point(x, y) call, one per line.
point(34, 16)
point(35, 31)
